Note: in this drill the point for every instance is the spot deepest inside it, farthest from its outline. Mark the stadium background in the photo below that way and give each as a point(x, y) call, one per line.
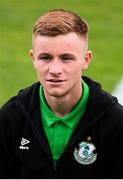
point(105, 18)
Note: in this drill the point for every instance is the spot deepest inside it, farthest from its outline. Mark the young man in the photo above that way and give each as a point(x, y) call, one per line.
point(65, 125)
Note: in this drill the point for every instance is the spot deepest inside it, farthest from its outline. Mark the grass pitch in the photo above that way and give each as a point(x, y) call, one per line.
point(105, 18)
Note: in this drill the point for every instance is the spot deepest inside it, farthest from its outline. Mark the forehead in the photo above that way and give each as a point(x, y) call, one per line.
point(68, 41)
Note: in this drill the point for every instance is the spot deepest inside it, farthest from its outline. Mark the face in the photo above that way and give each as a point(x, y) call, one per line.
point(59, 62)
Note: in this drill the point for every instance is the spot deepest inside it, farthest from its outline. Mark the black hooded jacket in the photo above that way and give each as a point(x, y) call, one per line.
point(95, 149)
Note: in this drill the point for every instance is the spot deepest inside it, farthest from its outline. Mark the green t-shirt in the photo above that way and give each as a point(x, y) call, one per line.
point(59, 129)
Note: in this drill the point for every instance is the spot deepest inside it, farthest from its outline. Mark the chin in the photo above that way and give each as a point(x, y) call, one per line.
point(56, 93)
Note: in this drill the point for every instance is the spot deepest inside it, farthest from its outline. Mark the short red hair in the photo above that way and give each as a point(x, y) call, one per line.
point(59, 21)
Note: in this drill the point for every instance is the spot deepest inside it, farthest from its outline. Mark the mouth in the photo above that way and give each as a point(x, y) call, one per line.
point(55, 80)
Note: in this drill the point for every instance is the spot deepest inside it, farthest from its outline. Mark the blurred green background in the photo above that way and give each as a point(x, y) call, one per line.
point(105, 18)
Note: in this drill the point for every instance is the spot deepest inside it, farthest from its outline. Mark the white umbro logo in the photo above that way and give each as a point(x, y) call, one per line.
point(23, 143)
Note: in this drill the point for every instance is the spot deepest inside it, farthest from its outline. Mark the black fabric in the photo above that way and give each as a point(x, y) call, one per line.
point(102, 122)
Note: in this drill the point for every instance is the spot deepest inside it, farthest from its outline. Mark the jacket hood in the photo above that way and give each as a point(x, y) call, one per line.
point(28, 98)
point(99, 100)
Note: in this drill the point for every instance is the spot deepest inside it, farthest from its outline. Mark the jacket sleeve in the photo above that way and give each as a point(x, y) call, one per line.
point(114, 152)
point(9, 164)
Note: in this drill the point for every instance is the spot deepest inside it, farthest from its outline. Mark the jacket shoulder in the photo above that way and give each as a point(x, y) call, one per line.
point(10, 111)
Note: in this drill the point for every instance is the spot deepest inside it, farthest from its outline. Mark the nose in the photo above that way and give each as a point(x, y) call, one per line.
point(55, 68)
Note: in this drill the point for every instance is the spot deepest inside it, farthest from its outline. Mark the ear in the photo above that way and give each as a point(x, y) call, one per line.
point(32, 55)
point(87, 60)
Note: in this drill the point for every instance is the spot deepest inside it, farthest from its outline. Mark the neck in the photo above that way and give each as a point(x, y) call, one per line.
point(63, 105)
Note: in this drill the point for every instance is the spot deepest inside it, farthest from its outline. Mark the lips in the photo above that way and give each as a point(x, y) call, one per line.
point(55, 80)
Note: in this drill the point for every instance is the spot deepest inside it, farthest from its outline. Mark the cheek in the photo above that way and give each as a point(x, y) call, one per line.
point(77, 69)
point(75, 73)
point(41, 72)
point(38, 69)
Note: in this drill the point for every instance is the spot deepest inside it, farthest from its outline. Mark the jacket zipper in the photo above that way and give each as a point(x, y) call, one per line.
point(54, 165)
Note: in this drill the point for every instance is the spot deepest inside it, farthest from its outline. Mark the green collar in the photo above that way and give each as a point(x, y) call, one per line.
point(70, 119)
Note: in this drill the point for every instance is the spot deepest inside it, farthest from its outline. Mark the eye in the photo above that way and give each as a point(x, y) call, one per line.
point(45, 58)
point(67, 58)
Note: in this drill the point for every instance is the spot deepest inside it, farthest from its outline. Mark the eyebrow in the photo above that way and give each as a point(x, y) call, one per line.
point(44, 54)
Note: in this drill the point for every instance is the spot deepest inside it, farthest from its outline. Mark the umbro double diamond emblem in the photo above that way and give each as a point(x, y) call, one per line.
point(23, 143)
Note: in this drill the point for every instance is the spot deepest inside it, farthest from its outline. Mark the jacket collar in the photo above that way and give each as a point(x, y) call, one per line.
point(99, 100)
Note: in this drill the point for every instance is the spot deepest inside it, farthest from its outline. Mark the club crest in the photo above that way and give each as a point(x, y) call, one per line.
point(85, 155)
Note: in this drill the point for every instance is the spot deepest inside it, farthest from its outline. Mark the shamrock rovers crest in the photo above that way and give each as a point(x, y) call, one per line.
point(84, 155)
